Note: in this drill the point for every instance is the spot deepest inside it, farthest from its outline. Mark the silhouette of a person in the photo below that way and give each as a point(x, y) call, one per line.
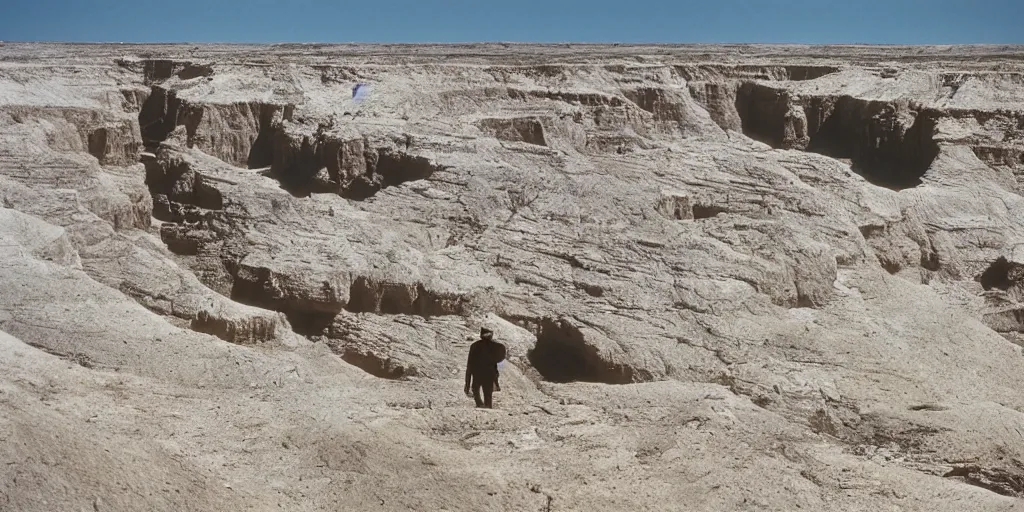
point(482, 368)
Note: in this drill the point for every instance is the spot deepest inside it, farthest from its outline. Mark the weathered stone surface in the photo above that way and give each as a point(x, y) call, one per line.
point(774, 282)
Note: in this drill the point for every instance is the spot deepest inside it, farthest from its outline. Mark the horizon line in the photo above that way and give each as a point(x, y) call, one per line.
point(505, 43)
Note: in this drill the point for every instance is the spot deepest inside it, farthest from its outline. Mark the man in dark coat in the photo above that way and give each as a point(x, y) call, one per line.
point(482, 367)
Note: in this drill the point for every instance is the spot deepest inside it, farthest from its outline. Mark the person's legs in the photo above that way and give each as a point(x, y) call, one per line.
point(488, 389)
point(476, 394)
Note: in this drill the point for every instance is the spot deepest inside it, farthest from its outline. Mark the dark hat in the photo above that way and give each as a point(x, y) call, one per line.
point(485, 331)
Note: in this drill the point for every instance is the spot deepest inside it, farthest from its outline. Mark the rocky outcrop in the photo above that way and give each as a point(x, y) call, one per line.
point(996, 138)
point(193, 194)
point(724, 90)
point(586, 99)
point(115, 144)
point(175, 183)
point(719, 100)
point(904, 243)
point(207, 313)
point(239, 133)
point(111, 137)
point(287, 289)
point(1003, 283)
point(347, 165)
point(372, 296)
point(111, 194)
point(517, 129)
point(1001, 156)
point(674, 111)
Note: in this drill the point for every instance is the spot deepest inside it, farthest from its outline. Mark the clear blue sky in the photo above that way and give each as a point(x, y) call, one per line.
point(627, 21)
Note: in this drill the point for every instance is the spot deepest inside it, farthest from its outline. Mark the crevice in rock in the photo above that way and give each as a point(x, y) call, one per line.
point(998, 275)
point(388, 168)
point(892, 267)
point(928, 407)
point(871, 233)
point(158, 70)
point(261, 154)
point(562, 354)
point(187, 215)
point(305, 164)
point(309, 323)
point(371, 296)
point(930, 259)
point(800, 73)
point(890, 243)
point(190, 71)
point(771, 115)
point(996, 480)
point(706, 211)
point(591, 289)
point(186, 240)
point(78, 358)
point(308, 311)
point(158, 116)
point(606, 142)
point(889, 144)
point(98, 143)
point(378, 366)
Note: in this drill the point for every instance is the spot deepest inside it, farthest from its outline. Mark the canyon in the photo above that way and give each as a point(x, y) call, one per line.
point(730, 277)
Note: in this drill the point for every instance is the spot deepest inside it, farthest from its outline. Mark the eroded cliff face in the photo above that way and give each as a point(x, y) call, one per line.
point(683, 254)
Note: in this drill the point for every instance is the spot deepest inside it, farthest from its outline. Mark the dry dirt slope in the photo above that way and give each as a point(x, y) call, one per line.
point(730, 278)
